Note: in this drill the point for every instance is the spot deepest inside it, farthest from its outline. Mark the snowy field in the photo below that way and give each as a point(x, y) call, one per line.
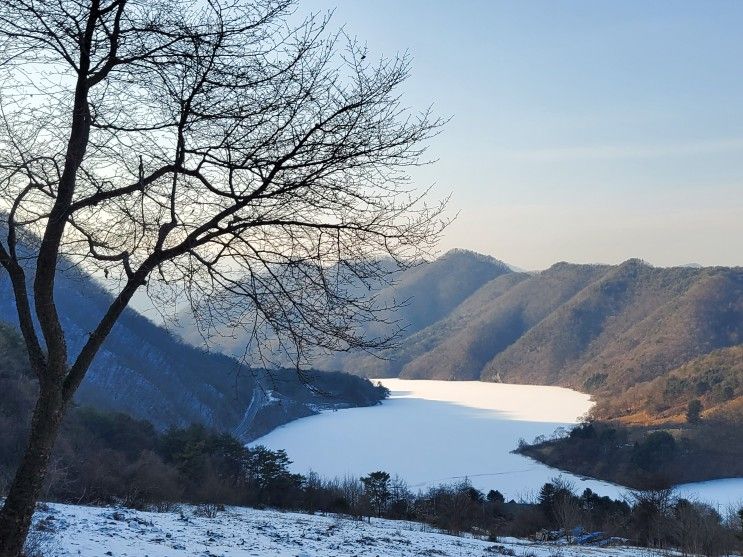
point(237, 532)
point(432, 432)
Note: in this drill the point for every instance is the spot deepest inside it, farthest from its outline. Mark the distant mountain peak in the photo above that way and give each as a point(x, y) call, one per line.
point(635, 262)
point(476, 256)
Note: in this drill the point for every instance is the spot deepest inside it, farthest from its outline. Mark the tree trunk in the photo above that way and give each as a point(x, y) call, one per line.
point(16, 514)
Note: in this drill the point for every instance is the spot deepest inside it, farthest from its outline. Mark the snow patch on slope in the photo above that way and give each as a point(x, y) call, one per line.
point(240, 532)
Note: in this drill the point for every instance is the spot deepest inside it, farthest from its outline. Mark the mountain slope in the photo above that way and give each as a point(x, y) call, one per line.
point(426, 342)
point(635, 323)
point(424, 295)
point(597, 328)
point(487, 324)
point(434, 289)
point(144, 371)
point(715, 379)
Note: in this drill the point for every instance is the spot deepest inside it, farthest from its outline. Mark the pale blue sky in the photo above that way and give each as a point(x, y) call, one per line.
point(586, 131)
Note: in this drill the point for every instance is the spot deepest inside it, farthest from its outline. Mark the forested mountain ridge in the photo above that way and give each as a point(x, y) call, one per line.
point(500, 321)
point(144, 371)
point(426, 294)
point(633, 325)
point(596, 328)
point(416, 297)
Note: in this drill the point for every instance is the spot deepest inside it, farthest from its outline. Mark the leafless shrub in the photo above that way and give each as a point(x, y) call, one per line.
point(208, 510)
point(565, 505)
point(699, 530)
point(40, 542)
point(165, 507)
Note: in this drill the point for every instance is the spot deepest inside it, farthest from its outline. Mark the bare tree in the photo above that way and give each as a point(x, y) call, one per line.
point(565, 507)
point(228, 153)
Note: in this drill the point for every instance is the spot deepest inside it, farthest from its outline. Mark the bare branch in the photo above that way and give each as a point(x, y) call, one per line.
point(216, 154)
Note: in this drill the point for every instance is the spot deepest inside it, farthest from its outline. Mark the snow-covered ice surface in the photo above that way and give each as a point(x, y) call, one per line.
point(238, 532)
point(722, 494)
point(431, 432)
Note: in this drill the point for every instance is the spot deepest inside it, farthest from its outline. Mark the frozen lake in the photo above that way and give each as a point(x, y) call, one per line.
point(431, 432)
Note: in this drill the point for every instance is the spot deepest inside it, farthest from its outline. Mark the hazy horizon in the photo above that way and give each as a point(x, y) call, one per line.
point(581, 132)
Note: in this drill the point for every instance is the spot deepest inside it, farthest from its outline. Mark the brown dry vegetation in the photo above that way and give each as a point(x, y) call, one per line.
point(715, 379)
point(645, 341)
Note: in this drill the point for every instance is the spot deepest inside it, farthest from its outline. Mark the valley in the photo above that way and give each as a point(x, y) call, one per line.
point(435, 432)
point(370, 279)
point(493, 371)
point(644, 342)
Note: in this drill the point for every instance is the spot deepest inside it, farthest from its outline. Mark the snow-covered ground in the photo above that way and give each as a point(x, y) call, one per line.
point(238, 532)
point(432, 432)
